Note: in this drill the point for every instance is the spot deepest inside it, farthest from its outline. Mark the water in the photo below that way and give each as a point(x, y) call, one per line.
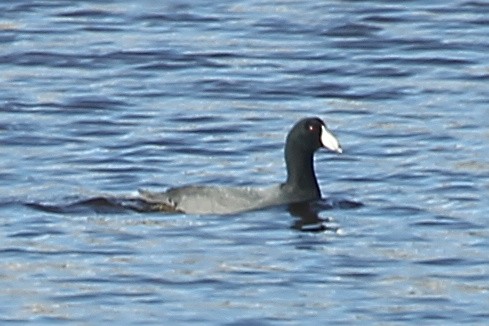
point(100, 99)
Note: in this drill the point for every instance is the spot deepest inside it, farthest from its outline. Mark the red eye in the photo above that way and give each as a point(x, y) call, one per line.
point(311, 128)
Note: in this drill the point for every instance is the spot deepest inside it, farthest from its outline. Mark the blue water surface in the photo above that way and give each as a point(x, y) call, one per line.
point(98, 99)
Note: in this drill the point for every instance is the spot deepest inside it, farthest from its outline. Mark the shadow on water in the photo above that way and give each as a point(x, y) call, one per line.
point(306, 214)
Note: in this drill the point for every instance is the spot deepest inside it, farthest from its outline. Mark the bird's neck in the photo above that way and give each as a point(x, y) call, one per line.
point(300, 172)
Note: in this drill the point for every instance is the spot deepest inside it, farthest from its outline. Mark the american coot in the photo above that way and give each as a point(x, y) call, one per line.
point(306, 136)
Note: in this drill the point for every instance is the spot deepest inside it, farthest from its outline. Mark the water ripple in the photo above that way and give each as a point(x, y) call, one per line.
point(100, 99)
